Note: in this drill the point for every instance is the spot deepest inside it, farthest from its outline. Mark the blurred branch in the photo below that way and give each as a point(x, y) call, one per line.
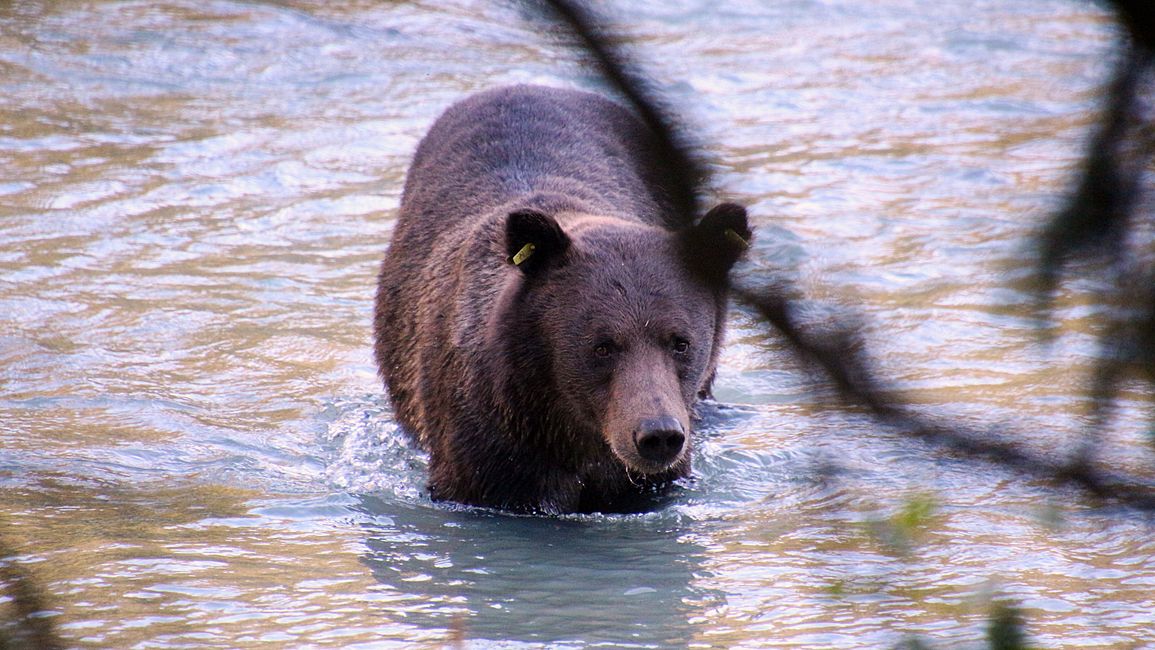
point(686, 174)
point(1100, 216)
point(839, 358)
point(27, 627)
point(1138, 18)
point(1095, 217)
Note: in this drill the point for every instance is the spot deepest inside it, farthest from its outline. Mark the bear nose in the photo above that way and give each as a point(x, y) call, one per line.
point(660, 440)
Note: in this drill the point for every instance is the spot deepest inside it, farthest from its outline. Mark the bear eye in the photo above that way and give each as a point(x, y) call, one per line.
point(680, 345)
point(602, 350)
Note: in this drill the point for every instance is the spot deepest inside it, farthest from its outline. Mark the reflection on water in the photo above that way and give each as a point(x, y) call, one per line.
point(194, 447)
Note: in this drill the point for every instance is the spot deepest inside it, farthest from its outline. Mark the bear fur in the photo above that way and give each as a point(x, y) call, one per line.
point(559, 377)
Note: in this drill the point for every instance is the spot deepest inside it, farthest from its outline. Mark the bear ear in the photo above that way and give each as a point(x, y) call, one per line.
point(534, 241)
point(718, 241)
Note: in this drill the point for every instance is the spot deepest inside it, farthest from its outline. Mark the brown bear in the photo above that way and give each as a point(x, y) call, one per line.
point(544, 324)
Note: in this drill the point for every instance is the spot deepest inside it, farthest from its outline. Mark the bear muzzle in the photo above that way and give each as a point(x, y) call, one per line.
point(647, 419)
point(660, 440)
point(650, 444)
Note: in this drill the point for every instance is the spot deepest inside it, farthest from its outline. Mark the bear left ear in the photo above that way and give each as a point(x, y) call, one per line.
point(718, 241)
point(534, 241)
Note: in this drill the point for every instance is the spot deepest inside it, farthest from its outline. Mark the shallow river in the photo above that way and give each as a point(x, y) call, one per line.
point(195, 450)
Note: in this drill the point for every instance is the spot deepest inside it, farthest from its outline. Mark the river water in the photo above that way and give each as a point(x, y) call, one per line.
point(195, 450)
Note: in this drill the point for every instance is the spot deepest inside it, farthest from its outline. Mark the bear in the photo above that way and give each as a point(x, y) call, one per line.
point(545, 320)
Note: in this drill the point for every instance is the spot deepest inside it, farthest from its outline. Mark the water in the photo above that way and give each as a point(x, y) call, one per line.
point(195, 450)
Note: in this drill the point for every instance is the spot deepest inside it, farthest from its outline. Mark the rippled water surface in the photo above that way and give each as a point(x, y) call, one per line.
point(195, 450)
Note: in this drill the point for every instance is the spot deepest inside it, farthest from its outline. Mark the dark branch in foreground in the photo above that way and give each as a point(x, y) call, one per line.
point(1096, 217)
point(839, 358)
point(25, 627)
point(685, 172)
point(1100, 216)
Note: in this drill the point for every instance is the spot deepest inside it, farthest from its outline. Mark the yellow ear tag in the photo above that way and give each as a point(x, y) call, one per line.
point(736, 238)
point(523, 254)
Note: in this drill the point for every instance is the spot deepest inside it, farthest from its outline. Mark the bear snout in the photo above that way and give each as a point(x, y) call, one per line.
point(660, 440)
point(647, 423)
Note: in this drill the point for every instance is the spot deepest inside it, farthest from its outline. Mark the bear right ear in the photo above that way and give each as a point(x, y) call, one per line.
point(719, 240)
point(534, 240)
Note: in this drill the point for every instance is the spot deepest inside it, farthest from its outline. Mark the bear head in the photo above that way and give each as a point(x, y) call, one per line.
point(616, 328)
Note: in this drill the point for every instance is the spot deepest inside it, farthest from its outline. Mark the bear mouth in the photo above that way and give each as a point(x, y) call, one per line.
point(653, 446)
